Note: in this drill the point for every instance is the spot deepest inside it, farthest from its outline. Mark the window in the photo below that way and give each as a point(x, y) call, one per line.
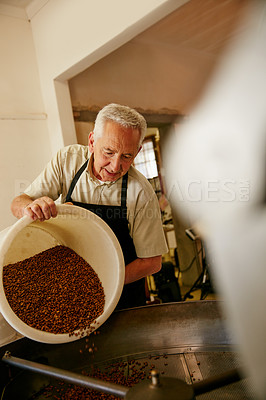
point(145, 161)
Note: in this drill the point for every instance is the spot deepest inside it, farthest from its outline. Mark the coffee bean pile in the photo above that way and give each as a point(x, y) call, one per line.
point(55, 291)
point(125, 373)
point(115, 375)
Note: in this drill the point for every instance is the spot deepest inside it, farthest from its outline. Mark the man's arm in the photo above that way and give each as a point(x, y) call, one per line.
point(142, 267)
point(42, 208)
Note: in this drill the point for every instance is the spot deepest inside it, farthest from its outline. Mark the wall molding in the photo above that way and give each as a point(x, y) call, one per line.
point(20, 117)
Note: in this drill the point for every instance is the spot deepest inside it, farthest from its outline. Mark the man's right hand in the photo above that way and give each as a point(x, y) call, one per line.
point(41, 209)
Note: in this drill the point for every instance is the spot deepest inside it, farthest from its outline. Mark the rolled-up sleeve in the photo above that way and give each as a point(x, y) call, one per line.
point(49, 182)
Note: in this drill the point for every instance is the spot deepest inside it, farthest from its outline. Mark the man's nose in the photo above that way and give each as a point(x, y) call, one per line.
point(116, 164)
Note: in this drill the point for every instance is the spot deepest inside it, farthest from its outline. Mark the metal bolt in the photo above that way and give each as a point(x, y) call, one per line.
point(155, 378)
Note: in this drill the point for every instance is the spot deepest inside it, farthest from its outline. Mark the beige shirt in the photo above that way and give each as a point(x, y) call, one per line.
point(143, 212)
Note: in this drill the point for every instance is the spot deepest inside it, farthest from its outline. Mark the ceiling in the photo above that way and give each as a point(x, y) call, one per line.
point(164, 69)
point(202, 25)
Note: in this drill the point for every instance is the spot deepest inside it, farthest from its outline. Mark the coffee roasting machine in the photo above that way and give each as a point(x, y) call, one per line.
point(184, 348)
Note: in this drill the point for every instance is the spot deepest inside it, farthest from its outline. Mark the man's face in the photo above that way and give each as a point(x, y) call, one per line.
point(114, 152)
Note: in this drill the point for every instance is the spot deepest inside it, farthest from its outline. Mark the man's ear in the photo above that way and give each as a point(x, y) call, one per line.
point(91, 142)
point(139, 150)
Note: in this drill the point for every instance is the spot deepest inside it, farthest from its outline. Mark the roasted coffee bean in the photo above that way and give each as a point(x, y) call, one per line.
point(125, 373)
point(55, 291)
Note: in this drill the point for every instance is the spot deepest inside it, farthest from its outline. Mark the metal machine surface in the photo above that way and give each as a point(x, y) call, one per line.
point(186, 340)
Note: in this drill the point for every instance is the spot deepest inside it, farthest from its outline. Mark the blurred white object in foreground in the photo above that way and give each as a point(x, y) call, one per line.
point(215, 170)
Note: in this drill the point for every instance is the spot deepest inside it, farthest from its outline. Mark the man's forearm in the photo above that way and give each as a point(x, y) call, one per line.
point(142, 267)
point(19, 203)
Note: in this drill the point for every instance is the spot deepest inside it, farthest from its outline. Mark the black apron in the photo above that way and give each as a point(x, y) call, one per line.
point(133, 294)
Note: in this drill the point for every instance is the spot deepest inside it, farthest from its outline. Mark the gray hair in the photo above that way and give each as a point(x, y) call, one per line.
point(122, 115)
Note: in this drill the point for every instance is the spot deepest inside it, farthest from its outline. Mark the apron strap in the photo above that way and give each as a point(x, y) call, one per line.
point(75, 179)
point(124, 191)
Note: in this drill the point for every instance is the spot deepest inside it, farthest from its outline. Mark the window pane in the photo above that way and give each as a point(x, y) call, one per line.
point(145, 162)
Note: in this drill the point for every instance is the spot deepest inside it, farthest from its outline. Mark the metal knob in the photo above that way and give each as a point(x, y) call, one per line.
point(161, 389)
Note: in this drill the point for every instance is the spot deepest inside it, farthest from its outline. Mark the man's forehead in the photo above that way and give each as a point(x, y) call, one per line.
point(116, 132)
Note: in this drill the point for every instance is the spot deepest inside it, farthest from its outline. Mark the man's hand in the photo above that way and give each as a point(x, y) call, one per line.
point(41, 209)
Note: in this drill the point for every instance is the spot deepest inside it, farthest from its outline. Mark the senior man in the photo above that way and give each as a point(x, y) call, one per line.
point(100, 177)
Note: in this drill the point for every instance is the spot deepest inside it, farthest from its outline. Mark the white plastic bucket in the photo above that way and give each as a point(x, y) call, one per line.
point(7, 333)
point(86, 234)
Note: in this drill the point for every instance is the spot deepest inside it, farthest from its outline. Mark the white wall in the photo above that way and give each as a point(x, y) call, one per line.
point(24, 142)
